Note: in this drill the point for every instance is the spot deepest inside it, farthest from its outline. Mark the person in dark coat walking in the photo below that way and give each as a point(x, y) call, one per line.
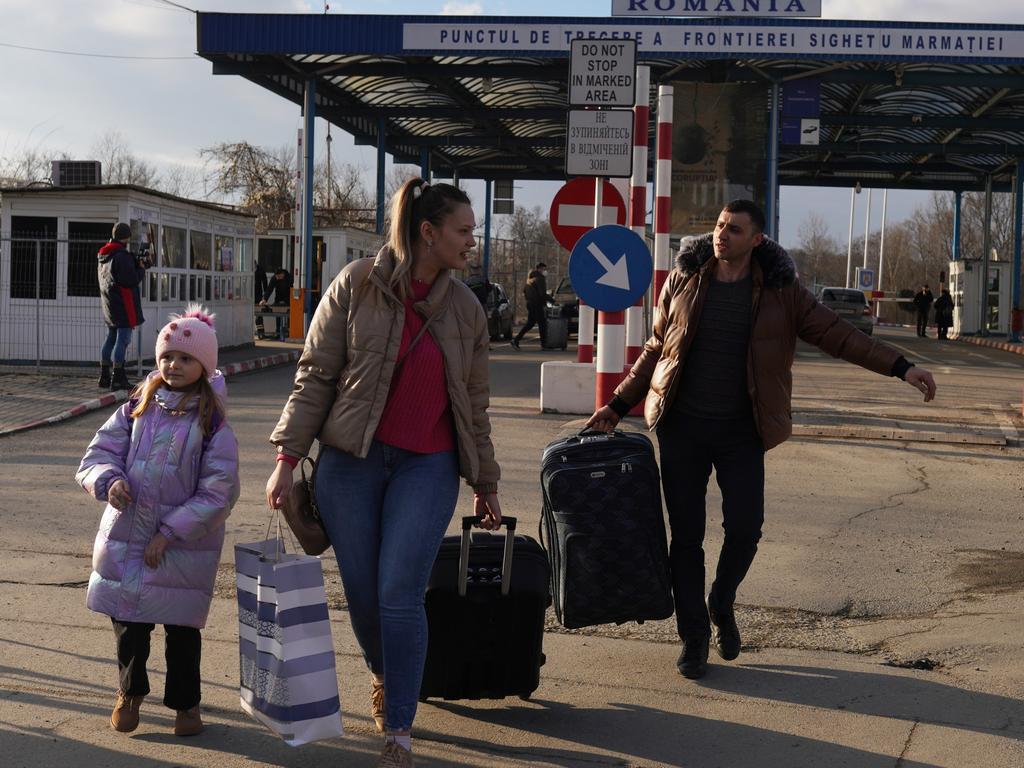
point(120, 273)
point(716, 381)
point(536, 294)
point(944, 314)
point(923, 302)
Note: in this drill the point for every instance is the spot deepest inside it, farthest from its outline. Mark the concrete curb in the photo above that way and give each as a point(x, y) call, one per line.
point(231, 369)
point(1017, 349)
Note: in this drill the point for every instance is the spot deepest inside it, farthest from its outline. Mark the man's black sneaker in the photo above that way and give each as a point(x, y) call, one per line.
point(724, 633)
point(693, 661)
point(514, 343)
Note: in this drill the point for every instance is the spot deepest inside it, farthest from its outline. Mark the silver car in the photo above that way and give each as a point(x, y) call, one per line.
point(849, 304)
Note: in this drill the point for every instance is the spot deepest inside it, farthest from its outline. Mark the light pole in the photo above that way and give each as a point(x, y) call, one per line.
point(867, 230)
point(849, 243)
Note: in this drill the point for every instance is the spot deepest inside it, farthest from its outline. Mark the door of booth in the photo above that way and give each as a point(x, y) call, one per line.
point(966, 290)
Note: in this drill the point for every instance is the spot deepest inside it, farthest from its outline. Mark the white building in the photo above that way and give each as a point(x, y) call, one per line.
point(334, 247)
point(49, 295)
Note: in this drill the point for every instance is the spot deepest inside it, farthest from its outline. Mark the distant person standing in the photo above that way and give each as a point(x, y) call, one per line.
point(259, 288)
point(119, 273)
point(944, 313)
point(536, 294)
point(279, 287)
point(923, 302)
point(259, 284)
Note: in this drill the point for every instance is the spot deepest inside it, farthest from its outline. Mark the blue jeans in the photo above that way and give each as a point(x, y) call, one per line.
point(386, 515)
point(117, 341)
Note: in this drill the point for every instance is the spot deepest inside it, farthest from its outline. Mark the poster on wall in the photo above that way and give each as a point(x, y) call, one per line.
point(719, 150)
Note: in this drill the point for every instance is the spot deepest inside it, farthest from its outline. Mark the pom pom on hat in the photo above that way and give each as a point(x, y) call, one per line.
point(193, 333)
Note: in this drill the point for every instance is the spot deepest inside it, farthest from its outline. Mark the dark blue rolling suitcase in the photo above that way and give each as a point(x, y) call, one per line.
point(486, 600)
point(605, 529)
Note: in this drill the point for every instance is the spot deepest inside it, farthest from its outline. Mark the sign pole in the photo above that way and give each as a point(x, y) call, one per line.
point(638, 204)
point(585, 331)
point(662, 195)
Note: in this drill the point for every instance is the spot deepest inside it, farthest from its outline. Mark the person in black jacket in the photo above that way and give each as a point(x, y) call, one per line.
point(923, 303)
point(944, 314)
point(120, 273)
point(536, 294)
point(279, 286)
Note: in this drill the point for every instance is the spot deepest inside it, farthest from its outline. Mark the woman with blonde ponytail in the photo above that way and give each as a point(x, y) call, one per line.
point(393, 384)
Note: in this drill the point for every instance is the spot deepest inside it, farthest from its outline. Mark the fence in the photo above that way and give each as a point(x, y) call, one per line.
point(50, 313)
point(511, 262)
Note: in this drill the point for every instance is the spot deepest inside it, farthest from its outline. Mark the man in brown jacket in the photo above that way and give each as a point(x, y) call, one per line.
point(717, 377)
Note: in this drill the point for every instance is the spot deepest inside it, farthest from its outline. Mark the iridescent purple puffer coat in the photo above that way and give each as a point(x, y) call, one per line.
point(175, 481)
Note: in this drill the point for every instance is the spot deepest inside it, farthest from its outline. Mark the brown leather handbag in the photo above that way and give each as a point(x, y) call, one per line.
point(302, 514)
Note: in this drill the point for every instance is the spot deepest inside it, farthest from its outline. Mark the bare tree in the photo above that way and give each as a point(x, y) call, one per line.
point(819, 259)
point(120, 165)
point(29, 166)
point(181, 180)
point(260, 181)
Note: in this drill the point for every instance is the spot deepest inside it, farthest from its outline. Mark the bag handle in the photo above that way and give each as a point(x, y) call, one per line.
point(506, 560)
point(279, 550)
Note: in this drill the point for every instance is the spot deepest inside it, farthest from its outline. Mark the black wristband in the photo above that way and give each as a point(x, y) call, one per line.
point(900, 367)
point(620, 406)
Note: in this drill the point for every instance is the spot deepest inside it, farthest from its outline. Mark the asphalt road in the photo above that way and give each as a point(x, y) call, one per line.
point(889, 550)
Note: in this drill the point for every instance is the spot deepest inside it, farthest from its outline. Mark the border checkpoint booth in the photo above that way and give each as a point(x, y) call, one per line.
point(49, 295)
point(892, 105)
point(332, 246)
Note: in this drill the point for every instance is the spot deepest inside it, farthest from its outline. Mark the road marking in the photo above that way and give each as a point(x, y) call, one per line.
point(1001, 364)
point(914, 354)
point(1006, 426)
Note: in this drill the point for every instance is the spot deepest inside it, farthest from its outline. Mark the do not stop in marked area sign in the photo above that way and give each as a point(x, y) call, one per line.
point(610, 268)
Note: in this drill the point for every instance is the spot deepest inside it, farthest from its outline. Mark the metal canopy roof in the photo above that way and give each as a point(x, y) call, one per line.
point(941, 112)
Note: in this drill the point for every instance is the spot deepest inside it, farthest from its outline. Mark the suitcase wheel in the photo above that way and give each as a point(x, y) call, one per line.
point(524, 696)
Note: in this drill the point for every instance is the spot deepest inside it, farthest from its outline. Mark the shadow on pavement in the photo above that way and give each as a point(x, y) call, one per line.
point(888, 695)
point(649, 734)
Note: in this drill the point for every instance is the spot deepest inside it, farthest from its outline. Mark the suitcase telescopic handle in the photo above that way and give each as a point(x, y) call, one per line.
point(506, 560)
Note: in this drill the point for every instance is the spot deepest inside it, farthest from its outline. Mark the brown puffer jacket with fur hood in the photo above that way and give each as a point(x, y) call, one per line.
point(782, 311)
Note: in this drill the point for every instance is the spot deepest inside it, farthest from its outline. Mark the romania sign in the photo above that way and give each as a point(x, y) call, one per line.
point(749, 8)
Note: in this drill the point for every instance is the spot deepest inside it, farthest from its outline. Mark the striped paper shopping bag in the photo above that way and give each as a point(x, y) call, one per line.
point(286, 653)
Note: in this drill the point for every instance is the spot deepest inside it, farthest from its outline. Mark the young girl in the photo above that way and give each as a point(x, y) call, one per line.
point(166, 463)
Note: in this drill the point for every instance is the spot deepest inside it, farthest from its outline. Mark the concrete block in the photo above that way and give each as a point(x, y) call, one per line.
point(567, 387)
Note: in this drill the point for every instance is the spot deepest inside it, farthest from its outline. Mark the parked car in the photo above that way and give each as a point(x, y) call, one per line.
point(851, 305)
point(499, 313)
point(568, 302)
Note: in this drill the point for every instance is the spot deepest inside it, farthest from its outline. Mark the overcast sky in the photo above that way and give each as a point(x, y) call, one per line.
point(169, 108)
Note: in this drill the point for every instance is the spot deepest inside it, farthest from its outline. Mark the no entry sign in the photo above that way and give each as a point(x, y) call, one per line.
point(572, 210)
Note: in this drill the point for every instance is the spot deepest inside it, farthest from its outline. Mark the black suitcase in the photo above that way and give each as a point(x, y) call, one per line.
point(486, 600)
point(605, 529)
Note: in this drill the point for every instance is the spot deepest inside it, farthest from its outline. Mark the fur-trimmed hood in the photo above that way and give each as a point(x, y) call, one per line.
point(776, 266)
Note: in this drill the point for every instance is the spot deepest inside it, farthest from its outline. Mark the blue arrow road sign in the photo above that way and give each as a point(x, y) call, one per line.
point(610, 268)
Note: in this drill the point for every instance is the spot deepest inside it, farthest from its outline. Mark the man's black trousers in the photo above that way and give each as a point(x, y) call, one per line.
point(183, 649)
point(534, 316)
point(922, 322)
point(690, 447)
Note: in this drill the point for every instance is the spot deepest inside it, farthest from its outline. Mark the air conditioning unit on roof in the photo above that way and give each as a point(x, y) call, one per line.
point(75, 173)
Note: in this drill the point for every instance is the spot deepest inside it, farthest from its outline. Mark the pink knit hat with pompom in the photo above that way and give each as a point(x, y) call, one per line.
point(192, 333)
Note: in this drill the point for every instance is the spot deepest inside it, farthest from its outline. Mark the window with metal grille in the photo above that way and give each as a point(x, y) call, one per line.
point(85, 238)
point(33, 257)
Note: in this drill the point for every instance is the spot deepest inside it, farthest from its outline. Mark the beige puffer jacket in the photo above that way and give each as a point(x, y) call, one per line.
point(344, 374)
